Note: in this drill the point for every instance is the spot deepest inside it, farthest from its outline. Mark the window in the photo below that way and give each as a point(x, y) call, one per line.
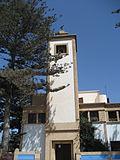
point(41, 118)
point(108, 100)
point(81, 100)
point(36, 118)
point(112, 115)
point(32, 118)
point(94, 116)
point(115, 145)
point(61, 49)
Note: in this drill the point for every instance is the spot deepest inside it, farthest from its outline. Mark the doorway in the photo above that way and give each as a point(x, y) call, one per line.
point(63, 151)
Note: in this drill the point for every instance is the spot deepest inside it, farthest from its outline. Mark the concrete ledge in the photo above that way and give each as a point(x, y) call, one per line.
point(54, 127)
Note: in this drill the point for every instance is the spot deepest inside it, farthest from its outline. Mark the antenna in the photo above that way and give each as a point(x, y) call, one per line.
point(106, 89)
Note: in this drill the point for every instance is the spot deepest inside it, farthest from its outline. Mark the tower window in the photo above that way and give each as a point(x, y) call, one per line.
point(61, 49)
point(32, 118)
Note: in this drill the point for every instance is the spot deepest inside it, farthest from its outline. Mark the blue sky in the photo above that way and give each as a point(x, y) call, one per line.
point(98, 42)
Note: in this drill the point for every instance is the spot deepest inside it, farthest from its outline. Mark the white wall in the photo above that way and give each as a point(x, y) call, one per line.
point(102, 98)
point(34, 139)
point(113, 131)
point(62, 103)
point(92, 97)
point(99, 132)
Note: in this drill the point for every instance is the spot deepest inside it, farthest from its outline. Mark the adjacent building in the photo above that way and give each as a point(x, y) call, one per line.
point(104, 116)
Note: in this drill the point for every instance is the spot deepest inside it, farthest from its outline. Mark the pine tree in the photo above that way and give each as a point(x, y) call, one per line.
point(88, 142)
point(118, 12)
point(25, 29)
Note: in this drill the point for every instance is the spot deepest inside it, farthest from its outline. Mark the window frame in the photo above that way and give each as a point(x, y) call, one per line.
point(43, 121)
point(36, 118)
point(34, 122)
point(112, 119)
point(97, 117)
point(60, 44)
point(81, 100)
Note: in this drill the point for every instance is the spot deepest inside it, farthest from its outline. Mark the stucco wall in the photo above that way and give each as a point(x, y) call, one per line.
point(34, 139)
point(92, 97)
point(99, 132)
point(113, 131)
point(62, 103)
point(89, 97)
point(61, 137)
point(102, 98)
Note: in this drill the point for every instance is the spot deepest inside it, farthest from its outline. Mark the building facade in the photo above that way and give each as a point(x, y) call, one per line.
point(51, 123)
point(104, 116)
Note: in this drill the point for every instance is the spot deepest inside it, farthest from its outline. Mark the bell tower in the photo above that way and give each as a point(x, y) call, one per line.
point(63, 105)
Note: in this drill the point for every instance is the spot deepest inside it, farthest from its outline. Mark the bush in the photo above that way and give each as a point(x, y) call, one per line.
point(7, 156)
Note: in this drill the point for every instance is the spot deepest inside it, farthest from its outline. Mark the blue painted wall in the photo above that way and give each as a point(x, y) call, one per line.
point(99, 157)
point(26, 157)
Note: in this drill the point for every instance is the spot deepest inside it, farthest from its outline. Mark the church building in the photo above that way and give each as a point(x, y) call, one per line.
point(51, 123)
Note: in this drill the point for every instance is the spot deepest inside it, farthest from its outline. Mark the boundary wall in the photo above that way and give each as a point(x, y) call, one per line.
point(18, 155)
point(98, 156)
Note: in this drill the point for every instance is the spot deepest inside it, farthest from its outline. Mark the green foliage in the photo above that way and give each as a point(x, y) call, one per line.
point(117, 11)
point(87, 140)
point(25, 29)
point(7, 156)
point(14, 141)
point(24, 34)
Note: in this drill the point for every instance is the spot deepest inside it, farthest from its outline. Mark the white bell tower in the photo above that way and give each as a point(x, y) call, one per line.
point(62, 133)
point(64, 103)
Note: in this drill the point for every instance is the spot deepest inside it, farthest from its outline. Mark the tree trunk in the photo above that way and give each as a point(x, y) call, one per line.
point(6, 128)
